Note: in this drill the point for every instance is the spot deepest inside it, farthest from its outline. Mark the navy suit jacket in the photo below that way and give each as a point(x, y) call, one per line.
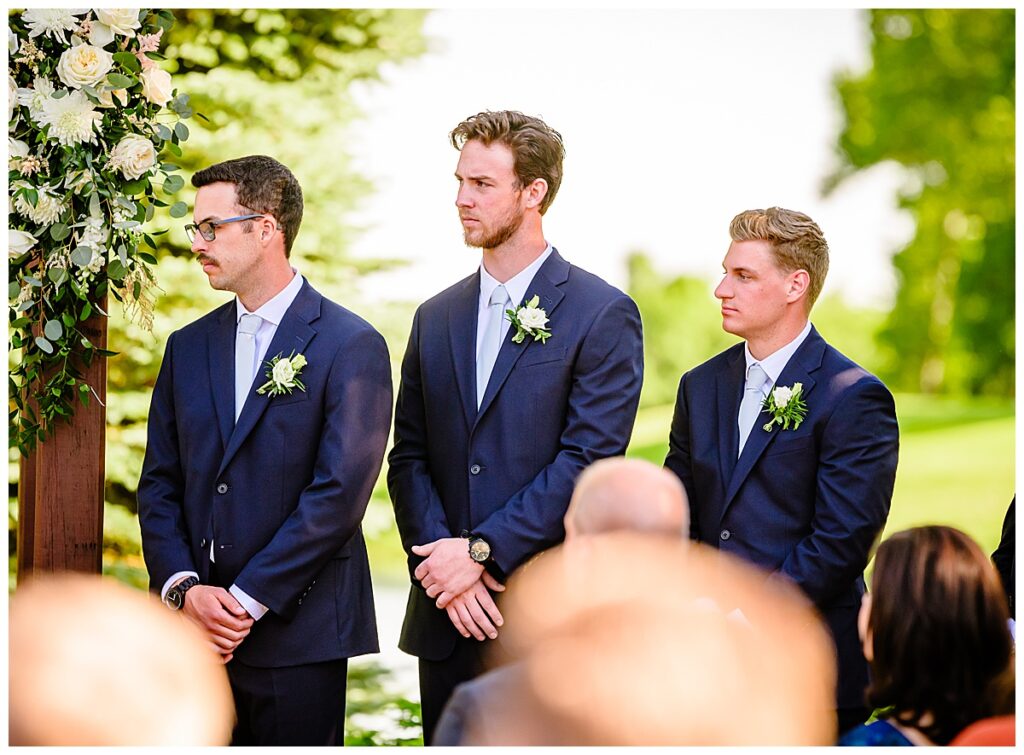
point(281, 493)
point(506, 472)
point(806, 503)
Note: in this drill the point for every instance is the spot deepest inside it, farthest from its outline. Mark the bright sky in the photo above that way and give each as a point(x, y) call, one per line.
point(673, 121)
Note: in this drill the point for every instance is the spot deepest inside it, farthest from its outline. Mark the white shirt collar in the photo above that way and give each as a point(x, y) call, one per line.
point(515, 286)
point(775, 363)
point(273, 311)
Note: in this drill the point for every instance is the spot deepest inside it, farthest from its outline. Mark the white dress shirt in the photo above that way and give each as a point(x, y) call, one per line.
point(776, 362)
point(271, 314)
point(516, 286)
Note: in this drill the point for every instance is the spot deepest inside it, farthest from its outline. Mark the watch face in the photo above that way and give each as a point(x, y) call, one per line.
point(479, 550)
point(174, 598)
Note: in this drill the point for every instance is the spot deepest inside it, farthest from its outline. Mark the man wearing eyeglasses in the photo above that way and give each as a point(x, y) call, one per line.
point(266, 434)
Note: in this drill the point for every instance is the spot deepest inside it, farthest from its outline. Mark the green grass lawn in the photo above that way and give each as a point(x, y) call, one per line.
point(956, 462)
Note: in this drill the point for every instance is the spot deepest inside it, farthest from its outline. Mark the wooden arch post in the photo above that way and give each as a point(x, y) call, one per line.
point(60, 484)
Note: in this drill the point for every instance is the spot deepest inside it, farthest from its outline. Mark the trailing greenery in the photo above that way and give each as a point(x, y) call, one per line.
point(94, 127)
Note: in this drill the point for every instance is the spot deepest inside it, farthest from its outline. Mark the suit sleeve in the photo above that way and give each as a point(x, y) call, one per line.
point(357, 416)
point(602, 407)
point(418, 510)
point(678, 459)
point(161, 491)
point(855, 479)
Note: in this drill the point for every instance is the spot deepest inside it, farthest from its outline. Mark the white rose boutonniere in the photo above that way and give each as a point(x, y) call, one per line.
point(786, 405)
point(530, 320)
point(283, 375)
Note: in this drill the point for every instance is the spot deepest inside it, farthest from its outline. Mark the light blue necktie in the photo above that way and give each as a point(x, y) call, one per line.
point(753, 397)
point(245, 358)
point(491, 342)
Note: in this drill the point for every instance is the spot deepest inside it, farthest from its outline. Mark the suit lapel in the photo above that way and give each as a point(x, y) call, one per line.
point(806, 360)
point(730, 391)
point(293, 334)
point(462, 322)
point(221, 346)
point(545, 284)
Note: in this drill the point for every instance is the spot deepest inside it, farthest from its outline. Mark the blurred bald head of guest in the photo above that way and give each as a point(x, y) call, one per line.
point(627, 494)
point(95, 663)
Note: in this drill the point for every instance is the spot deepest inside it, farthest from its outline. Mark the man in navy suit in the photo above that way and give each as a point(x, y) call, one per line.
point(808, 501)
point(267, 432)
point(495, 420)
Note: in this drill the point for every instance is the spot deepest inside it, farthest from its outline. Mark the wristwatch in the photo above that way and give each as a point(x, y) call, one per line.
point(175, 597)
point(479, 549)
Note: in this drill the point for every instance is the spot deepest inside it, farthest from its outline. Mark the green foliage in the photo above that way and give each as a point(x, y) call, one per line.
point(939, 100)
point(375, 715)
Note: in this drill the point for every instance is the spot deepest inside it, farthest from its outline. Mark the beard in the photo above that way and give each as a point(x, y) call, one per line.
point(485, 238)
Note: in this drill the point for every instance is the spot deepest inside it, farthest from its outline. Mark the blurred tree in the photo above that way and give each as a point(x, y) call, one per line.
point(939, 99)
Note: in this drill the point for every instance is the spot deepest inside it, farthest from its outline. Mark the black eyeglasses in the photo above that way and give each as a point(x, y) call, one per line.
point(208, 228)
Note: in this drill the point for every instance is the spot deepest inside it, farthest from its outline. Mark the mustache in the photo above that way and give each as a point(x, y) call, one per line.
point(203, 259)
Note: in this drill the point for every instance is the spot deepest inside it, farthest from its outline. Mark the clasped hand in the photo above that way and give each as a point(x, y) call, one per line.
point(217, 613)
point(460, 586)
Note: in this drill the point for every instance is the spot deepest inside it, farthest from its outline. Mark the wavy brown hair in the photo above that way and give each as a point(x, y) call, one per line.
point(797, 242)
point(938, 623)
point(536, 147)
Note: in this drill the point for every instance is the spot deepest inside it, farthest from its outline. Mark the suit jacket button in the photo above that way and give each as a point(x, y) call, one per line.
point(222, 488)
point(202, 543)
point(725, 534)
point(475, 469)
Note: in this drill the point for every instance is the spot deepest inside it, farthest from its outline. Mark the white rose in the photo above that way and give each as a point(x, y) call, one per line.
point(123, 21)
point(19, 242)
point(156, 86)
point(107, 97)
point(17, 151)
point(782, 394)
point(532, 318)
point(12, 43)
point(84, 65)
point(298, 361)
point(283, 373)
point(133, 156)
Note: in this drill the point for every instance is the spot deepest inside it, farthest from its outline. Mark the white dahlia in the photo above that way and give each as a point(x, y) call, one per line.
point(52, 22)
point(35, 96)
point(72, 119)
point(47, 209)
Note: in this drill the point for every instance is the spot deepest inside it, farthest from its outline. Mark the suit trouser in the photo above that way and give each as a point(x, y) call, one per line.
point(438, 679)
point(293, 705)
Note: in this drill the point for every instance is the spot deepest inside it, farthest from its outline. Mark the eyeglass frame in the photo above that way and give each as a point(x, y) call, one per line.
point(191, 228)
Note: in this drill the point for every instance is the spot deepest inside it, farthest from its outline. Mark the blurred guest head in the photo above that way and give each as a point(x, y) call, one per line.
point(647, 647)
point(96, 663)
point(627, 494)
point(934, 629)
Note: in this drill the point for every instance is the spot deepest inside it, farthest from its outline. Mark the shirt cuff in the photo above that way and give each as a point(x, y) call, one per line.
point(174, 578)
point(254, 607)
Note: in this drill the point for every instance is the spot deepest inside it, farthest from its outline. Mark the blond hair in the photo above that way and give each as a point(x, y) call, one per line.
point(797, 242)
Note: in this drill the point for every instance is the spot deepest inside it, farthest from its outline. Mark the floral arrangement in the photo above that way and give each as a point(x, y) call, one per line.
point(283, 375)
point(94, 125)
point(530, 320)
point(786, 406)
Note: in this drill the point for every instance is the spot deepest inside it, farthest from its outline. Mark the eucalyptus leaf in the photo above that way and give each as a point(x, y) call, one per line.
point(53, 330)
point(178, 210)
point(181, 130)
point(33, 281)
point(13, 290)
point(119, 81)
point(150, 211)
point(25, 305)
point(57, 274)
point(59, 231)
point(44, 345)
point(82, 256)
point(173, 183)
point(163, 132)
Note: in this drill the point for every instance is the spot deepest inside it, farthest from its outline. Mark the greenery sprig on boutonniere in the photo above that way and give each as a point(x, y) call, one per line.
point(284, 375)
point(786, 405)
point(530, 320)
